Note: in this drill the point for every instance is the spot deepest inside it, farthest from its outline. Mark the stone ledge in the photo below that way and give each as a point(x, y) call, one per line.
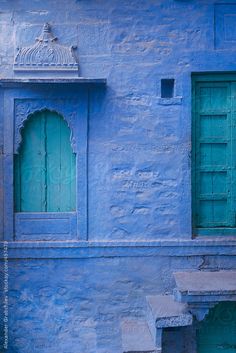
point(202, 284)
point(203, 290)
point(81, 249)
point(167, 312)
point(5, 82)
point(136, 337)
point(164, 312)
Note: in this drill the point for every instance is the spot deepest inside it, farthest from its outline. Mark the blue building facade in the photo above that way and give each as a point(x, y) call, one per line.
point(117, 272)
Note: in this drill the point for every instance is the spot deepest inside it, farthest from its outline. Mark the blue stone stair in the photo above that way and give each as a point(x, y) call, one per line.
point(195, 294)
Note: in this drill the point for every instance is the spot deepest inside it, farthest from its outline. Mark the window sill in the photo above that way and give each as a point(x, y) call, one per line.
point(217, 232)
point(170, 101)
point(50, 226)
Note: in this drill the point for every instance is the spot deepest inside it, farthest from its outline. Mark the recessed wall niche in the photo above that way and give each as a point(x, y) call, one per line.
point(225, 26)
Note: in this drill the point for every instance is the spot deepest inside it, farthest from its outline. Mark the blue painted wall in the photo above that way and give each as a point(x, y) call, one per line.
point(70, 298)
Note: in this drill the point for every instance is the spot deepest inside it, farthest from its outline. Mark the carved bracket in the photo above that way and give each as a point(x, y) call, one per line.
point(201, 310)
point(24, 108)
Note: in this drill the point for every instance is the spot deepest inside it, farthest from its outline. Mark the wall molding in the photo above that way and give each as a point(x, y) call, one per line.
point(92, 249)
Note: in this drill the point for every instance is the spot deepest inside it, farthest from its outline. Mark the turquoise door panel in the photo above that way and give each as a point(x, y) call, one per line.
point(45, 166)
point(60, 167)
point(217, 333)
point(30, 168)
point(214, 160)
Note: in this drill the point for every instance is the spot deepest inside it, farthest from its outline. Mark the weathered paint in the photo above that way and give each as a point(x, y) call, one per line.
point(70, 298)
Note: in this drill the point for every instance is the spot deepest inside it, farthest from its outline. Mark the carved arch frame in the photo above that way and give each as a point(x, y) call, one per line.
point(19, 106)
point(24, 109)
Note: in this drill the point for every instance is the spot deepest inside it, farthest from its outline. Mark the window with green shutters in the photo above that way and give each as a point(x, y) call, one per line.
point(214, 154)
point(45, 166)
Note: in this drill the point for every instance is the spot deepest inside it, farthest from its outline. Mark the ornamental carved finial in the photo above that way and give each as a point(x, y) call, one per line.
point(46, 55)
point(46, 34)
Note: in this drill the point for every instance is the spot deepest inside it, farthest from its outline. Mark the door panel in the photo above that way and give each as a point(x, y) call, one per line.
point(60, 167)
point(45, 166)
point(30, 168)
point(213, 155)
point(217, 333)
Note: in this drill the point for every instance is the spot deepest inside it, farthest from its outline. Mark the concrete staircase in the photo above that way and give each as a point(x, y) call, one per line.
point(195, 293)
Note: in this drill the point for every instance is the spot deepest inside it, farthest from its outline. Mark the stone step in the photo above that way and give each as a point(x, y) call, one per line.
point(162, 312)
point(202, 290)
point(136, 337)
point(167, 312)
point(192, 286)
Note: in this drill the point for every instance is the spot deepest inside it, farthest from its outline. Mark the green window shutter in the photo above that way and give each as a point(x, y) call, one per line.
point(213, 156)
point(45, 166)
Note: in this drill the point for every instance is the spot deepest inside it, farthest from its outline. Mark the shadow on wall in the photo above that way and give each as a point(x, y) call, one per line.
point(177, 339)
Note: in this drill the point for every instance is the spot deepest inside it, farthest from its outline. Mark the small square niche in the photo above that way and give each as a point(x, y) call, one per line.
point(167, 87)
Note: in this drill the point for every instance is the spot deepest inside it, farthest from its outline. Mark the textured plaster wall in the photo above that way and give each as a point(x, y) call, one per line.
point(72, 306)
point(139, 145)
point(139, 163)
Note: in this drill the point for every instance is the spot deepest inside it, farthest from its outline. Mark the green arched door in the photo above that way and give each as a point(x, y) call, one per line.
point(45, 166)
point(217, 333)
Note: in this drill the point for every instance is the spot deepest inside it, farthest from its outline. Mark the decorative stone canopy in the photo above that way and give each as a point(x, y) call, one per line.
point(46, 55)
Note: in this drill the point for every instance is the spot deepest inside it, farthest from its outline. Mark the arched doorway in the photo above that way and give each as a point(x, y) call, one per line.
point(44, 168)
point(217, 332)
